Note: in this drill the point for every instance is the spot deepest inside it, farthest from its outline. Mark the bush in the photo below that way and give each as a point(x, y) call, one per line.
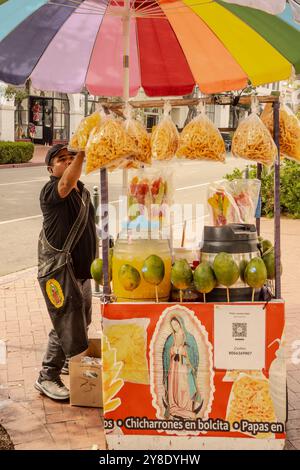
point(16, 152)
point(289, 188)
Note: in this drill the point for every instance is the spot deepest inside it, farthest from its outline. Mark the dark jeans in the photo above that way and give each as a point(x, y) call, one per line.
point(54, 358)
point(48, 135)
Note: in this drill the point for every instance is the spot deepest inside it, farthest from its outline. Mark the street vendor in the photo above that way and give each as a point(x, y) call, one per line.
point(67, 247)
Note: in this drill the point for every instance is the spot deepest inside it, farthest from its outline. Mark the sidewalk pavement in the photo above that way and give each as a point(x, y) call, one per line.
point(39, 155)
point(32, 420)
point(36, 422)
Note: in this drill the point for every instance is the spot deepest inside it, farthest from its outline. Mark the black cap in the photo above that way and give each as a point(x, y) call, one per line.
point(54, 151)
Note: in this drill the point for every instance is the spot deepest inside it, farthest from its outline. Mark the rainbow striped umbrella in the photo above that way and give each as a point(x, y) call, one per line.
point(66, 45)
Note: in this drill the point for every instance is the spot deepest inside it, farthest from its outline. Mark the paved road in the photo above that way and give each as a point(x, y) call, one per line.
point(20, 217)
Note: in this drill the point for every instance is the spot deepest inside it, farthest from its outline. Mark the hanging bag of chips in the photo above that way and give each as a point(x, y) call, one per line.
point(139, 139)
point(252, 140)
point(289, 134)
point(201, 140)
point(164, 137)
point(108, 145)
point(81, 136)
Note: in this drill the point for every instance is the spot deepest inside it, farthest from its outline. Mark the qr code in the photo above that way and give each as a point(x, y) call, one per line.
point(239, 330)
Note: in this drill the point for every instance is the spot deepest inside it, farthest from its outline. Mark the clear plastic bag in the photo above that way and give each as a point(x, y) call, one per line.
point(245, 193)
point(164, 137)
point(80, 138)
point(289, 136)
point(233, 201)
point(253, 141)
point(221, 205)
point(108, 145)
point(150, 193)
point(140, 139)
point(201, 140)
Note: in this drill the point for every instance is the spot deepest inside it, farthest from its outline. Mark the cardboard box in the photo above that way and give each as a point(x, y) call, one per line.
point(86, 379)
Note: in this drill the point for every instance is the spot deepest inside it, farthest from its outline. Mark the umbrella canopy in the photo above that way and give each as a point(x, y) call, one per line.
point(66, 45)
point(274, 7)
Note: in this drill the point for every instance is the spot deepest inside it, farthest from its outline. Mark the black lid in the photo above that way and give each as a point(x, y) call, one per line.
point(230, 232)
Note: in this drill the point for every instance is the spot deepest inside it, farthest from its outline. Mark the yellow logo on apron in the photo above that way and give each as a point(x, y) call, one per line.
point(55, 293)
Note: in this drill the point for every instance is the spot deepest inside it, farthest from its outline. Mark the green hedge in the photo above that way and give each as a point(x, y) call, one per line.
point(289, 188)
point(16, 152)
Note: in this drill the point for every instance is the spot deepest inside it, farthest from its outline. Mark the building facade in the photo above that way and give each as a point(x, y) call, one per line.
point(47, 118)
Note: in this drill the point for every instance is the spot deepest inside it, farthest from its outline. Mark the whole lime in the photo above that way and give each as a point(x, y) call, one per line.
point(153, 270)
point(266, 245)
point(226, 270)
point(129, 277)
point(242, 267)
point(269, 260)
point(204, 278)
point(256, 273)
point(181, 274)
point(97, 270)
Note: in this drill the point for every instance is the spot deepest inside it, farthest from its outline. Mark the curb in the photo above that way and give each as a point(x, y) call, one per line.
point(12, 277)
point(21, 165)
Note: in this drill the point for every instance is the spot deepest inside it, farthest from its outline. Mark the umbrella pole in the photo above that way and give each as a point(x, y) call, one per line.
point(105, 233)
point(258, 176)
point(103, 171)
point(276, 106)
point(126, 83)
point(126, 49)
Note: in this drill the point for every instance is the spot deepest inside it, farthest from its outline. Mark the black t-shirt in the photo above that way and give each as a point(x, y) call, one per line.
point(59, 215)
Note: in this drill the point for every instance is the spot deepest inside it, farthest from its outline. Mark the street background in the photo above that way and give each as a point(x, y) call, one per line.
point(20, 214)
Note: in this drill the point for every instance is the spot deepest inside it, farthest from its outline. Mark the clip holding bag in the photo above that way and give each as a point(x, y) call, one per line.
point(59, 286)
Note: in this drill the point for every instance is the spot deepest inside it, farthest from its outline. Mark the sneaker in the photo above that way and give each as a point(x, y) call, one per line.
point(54, 389)
point(65, 369)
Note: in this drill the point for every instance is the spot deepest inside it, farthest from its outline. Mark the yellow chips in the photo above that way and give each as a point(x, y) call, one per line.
point(232, 375)
point(79, 139)
point(112, 383)
point(129, 340)
point(164, 140)
point(201, 140)
point(289, 136)
point(252, 402)
point(140, 139)
point(253, 141)
point(107, 144)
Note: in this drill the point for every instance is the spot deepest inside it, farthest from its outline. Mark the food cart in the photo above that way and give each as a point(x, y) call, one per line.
point(232, 395)
point(219, 46)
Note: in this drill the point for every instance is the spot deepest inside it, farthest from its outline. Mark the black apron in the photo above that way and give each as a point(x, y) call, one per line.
point(59, 285)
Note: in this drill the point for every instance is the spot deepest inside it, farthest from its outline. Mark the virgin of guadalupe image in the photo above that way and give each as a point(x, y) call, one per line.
point(182, 399)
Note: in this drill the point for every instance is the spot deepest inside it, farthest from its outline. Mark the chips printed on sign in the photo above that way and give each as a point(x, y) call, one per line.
point(108, 144)
point(289, 130)
point(253, 141)
point(251, 400)
point(130, 340)
point(112, 383)
point(232, 375)
point(201, 140)
point(164, 139)
point(80, 137)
